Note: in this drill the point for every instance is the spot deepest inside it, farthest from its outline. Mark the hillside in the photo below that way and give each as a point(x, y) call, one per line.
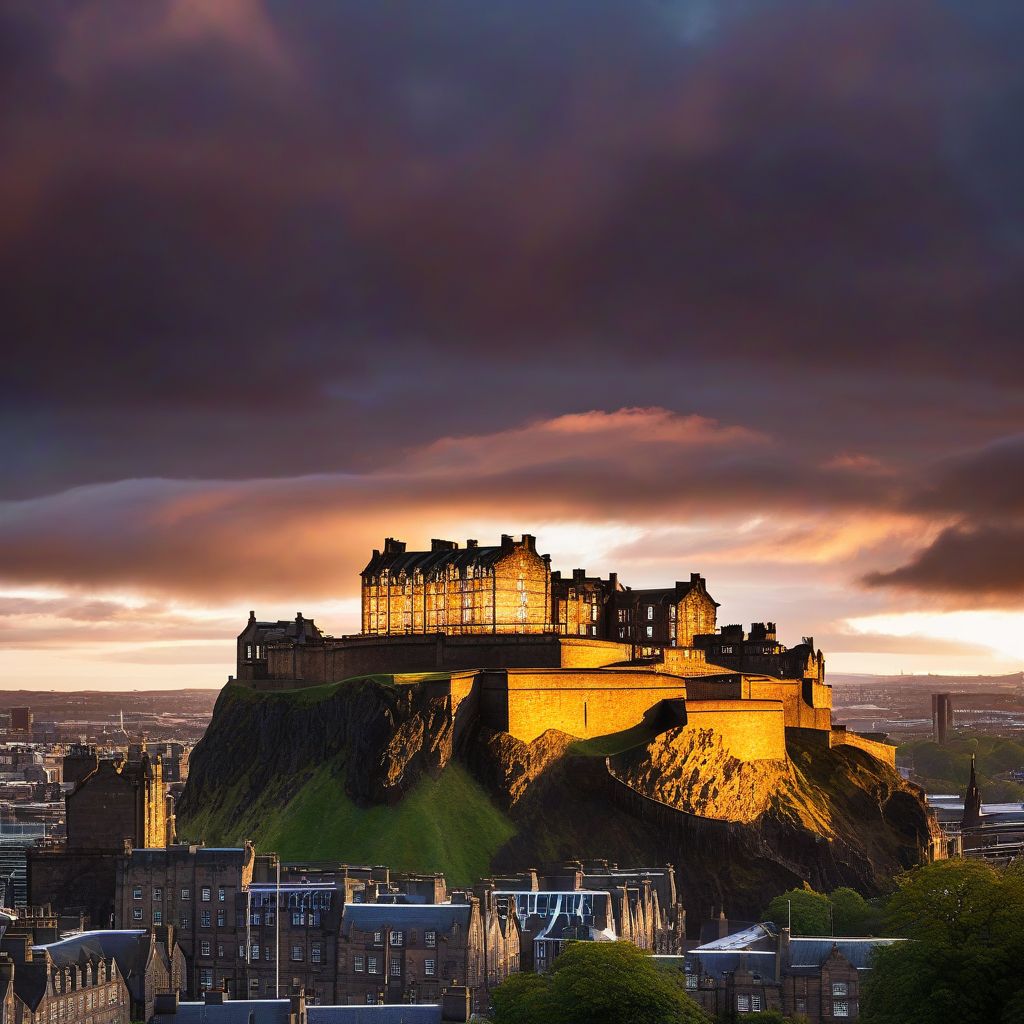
point(371, 770)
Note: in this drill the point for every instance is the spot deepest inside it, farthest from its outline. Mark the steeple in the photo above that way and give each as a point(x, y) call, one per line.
point(972, 801)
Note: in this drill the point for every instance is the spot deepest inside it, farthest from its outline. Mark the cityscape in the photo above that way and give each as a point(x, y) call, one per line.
point(511, 513)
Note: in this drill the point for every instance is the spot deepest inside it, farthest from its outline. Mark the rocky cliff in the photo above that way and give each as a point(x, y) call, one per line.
point(370, 770)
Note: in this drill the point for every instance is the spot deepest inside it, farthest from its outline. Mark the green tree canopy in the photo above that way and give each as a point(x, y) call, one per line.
point(810, 912)
point(963, 963)
point(596, 983)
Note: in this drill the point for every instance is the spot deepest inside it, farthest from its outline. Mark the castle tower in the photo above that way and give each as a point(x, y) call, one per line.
point(972, 801)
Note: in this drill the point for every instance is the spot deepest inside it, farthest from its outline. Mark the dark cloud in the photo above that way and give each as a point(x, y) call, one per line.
point(239, 241)
point(982, 561)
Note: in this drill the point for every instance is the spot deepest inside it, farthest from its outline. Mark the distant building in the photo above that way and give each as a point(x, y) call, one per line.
point(21, 720)
point(942, 717)
point(760, 968)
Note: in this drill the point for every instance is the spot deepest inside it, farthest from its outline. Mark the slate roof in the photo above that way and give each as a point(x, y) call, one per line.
point(442, 917)
point(431, 563)
point(813, 952)
point(275, 1011)
point(745, 937)
point(130, 948)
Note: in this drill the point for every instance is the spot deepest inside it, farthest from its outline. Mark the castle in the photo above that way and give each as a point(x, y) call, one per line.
point(525, 649)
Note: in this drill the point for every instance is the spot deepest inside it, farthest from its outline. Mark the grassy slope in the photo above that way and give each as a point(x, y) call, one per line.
point(446, 824)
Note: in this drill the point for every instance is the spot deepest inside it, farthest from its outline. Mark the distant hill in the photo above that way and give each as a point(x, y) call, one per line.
point(935, 682)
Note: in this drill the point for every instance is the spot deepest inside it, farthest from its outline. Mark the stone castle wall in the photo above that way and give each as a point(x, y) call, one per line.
point(581, 702)
point(750, 730)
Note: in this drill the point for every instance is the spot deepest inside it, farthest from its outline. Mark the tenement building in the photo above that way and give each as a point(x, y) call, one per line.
point(113, 803)
point(40, 987)
point(762, 968)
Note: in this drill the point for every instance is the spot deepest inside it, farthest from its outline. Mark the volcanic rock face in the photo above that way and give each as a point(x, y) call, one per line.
point(738, 832)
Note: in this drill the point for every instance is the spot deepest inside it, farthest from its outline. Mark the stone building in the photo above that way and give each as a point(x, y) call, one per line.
point(760, 968)
point(113, 803)
point(500, 589)
point(592, 901)
point(40, 988)
point(262, 929)
point(408, 953)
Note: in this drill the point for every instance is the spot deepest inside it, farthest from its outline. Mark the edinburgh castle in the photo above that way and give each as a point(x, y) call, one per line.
point(526, 649)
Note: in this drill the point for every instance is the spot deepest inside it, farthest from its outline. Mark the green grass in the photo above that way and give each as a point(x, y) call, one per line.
point(324, 691)
point(615, 742)
point(446, 824)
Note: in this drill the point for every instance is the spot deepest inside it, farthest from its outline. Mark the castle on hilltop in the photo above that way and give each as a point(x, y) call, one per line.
point(532, 649)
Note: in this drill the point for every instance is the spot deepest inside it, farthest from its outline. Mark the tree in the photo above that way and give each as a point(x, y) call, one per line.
point(963, 963)
point(810, 912)
point(596, 983)
point(853, 915)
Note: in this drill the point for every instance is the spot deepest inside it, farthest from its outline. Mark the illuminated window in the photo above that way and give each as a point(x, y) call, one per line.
point(840, 1008)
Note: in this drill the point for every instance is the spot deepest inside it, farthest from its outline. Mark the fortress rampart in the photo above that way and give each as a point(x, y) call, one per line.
point(581, 702)
point(750, 730)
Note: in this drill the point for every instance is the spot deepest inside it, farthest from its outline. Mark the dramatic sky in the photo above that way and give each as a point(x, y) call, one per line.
point(729, 286)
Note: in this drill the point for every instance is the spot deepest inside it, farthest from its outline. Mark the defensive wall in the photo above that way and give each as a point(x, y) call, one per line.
point(750, 730)
point(297, 665)
point(581, 702)
point(839, 736)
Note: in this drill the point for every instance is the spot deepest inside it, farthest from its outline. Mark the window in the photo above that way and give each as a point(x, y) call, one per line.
point(743, 1004)
point(691, 981)
point(137, 893)
point(266, 952)
point(840, 1008)
point(840, 988)
point(185, 894)
point(206, 977)
point(241, 952)
point(158, 893)
point(158, 917)
point(221, 895)
point(430, 938)
point(204, 919)
point(378, 937)
point(358, 964)
point(755, 1003)
point(204, 948)
point(297, 917)
point(297, 952)
point(254, 984)
point(650, 612)
point(430, 967)
point(372, 965)
point(727, 649)
point(221, 919)
point(254, 953)
point(396, 968)
point(314, 952)
point(255, 919)
point(137, 914)
point(397, 938)
point(183, 920)
point(371, 999)
point(205, 895)
point(220, 950)
point(650, 632)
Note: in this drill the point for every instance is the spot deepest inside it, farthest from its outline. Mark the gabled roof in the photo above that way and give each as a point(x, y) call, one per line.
point(130, 948)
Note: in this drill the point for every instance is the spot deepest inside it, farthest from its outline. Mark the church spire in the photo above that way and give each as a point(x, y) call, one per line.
point(972, 800)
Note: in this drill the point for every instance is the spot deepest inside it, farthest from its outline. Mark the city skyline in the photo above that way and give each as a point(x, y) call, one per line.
point(731, 289)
